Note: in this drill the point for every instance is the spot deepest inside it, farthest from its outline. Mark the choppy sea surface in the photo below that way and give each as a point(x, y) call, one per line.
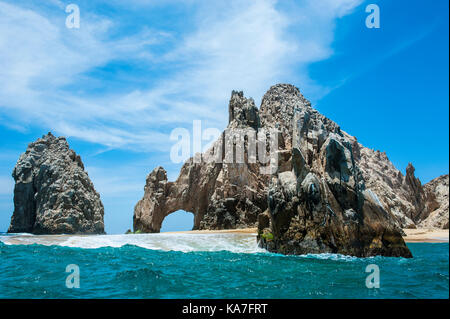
point(206, 266)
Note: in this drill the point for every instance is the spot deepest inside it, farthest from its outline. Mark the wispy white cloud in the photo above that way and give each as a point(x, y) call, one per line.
point(236, 44)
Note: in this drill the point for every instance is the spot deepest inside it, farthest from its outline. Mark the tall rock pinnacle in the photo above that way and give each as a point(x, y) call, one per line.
point(53, 194)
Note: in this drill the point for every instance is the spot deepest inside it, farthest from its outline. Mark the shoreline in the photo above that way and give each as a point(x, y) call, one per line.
point(419, 235)
point(425, 235)
point(218, 231)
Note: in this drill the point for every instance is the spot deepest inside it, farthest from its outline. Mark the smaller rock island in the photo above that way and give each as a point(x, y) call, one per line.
point(53, 193)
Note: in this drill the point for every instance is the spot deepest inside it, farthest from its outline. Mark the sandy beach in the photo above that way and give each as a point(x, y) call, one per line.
point(420, 235)
point(223, 231)
point(424, 235)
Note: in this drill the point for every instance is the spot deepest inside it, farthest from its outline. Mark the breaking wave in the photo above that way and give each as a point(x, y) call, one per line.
point(237, 243)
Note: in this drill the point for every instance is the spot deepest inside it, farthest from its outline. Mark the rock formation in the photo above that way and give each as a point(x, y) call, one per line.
point(403, 196)
point(437, 202)
point(325, 193)
point(220, 195)
point(322, 205)
point(53, 194)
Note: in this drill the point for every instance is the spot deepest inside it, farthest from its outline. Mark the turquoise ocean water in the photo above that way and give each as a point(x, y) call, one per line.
point(206, 266)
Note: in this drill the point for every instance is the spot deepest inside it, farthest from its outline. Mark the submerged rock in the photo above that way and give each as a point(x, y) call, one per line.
point(53, 194)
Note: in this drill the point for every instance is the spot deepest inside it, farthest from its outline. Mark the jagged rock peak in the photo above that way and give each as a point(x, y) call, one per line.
point(276, 111)
point(410, 178)
point(285, 93)
point(279, 103)
point(242, 111)
point(53, 194)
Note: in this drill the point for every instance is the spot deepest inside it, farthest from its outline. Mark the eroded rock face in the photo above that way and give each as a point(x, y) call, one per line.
point(53, 194)
point(327, 192)
point(387, 183)
point(403, 196)
point(322, 204)
point(437, 202)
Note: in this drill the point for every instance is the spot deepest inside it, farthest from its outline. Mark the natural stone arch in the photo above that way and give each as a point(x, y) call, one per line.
point(221, 195)
point(189, 193)
point(216, 200)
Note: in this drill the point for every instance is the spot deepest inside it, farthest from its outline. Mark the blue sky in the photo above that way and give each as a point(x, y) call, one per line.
point(136, 69)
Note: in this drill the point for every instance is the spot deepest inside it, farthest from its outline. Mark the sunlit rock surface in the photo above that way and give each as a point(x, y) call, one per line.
point(53, 194)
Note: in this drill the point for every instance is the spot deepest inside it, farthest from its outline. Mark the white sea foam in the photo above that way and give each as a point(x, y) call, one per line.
point(238, 243)
point(330, 256)
point(184, 242)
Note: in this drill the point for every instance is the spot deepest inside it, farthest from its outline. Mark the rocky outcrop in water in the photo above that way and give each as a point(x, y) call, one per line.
point(324, 192)
point(322, 205)
point(53, 194)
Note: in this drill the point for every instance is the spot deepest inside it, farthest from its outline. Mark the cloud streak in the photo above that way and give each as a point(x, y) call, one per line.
point(48, 71)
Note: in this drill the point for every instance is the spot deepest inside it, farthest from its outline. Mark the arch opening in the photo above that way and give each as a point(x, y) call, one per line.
point(179, 220)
